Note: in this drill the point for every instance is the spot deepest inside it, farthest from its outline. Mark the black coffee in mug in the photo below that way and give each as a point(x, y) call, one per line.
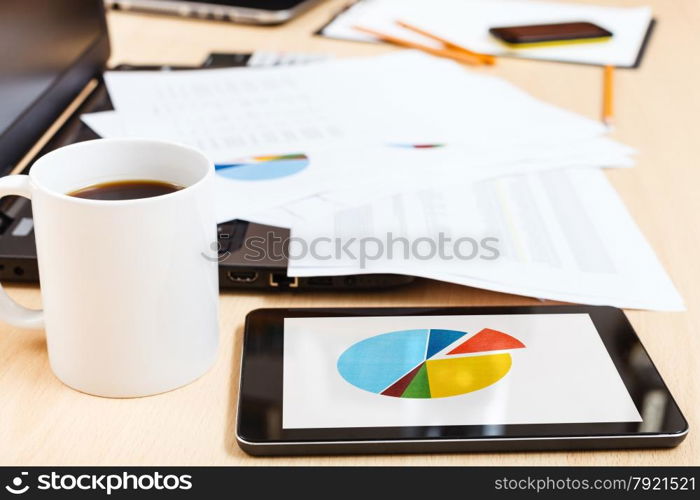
point(125, 190)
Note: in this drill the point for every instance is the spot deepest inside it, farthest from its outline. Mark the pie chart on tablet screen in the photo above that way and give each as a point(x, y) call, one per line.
point(428, 363)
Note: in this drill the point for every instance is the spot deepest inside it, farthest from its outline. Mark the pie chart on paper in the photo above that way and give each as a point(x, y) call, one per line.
point(428, 363)
point(261, 168)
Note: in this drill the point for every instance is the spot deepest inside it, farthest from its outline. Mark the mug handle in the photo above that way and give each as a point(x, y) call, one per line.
point(10, 311)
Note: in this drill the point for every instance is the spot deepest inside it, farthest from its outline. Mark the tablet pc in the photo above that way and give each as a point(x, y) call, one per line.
point(394, 380)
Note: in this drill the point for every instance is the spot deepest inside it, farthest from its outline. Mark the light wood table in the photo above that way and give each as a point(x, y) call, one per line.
point(44, 422)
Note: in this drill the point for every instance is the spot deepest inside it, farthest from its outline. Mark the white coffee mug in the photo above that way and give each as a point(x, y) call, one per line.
point(129, 287)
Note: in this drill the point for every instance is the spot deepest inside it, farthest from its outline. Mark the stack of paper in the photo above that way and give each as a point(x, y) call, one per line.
point(466, 23)
point(318, 112)
point(412, 146)
point(561, 234)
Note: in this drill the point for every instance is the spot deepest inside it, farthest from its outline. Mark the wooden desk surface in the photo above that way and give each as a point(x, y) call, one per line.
point(44, 422)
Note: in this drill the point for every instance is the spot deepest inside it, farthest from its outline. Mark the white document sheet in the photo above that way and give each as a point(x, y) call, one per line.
point(278, 135)
point(378, 169)
point(466, 23)
point(380, 15)
point(108, 124)
point(369, 174)
point(562, 235)
point(282, 134)
point(548, 380)
point(369, 169)
point(352, 175)
point(404, 97)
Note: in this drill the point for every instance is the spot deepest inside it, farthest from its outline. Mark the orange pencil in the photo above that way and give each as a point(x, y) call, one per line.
point(457, 55)
point(608, 94)
point(485, 58)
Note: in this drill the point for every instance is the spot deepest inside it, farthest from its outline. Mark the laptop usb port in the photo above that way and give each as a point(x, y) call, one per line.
point(242, 276)
point(281, 280)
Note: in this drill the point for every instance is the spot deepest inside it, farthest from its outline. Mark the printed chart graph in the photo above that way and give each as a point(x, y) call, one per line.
point(411, 145)
point(428, 363)
point(261, 168)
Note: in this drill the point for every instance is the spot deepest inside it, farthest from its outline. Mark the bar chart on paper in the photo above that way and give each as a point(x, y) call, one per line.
point(428, 363)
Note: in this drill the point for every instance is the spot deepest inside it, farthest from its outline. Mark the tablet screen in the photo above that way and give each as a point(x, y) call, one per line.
point(484, 370)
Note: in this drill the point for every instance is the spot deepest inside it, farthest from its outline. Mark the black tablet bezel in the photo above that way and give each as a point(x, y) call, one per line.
point(260, 393)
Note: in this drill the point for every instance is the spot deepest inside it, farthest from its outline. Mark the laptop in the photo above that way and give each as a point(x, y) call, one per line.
point(237, 11)
point(52, 75)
